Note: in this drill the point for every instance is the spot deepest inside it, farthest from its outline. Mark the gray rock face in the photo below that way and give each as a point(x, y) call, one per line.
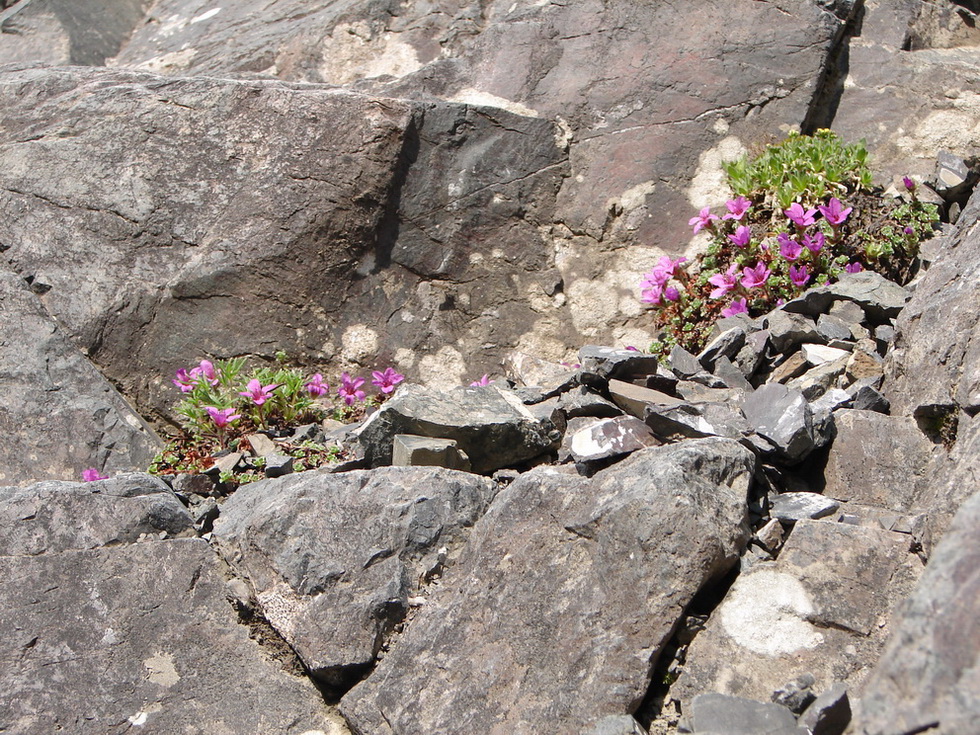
point(334, 558)
point(936, 358)
point(782, 416)
point(877, 460)
point(928, 678)
point(194, 207)
point(820, 608)
point(566, 593)
point(49, 517)
point(59, 416)
point(140, 636)
point(65, 32)
point(490, 425)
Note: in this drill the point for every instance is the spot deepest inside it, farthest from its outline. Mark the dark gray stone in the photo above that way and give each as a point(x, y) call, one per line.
point(599, 364)
point(831, 327)
point(605, 438)
point(817, 381)
point(727, 344)
point(750, 357)
point(879, 298)
point(732, 375)
point(797, 694)
point(797, 506)
point(564, 597)
point(952, 174)
point(714, 713)
point(830, 713)
point(50, 517)
point(783, 417)
point(683, 363)
point(617, 725)
point(867, 398)
point(489, 424)
point(696, 420)
point(582, 401)
point(140, 637)
point(277, 465)
point(787, 330)
point(635, 399)
point(424, 451)
point(927, 678)
point(334, 558)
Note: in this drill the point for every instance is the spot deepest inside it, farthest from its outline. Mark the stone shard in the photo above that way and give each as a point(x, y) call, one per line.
point(599, 364)
point(822, 607)
point(830, 713)
point(714, 713)
point(489, 424)
point(584, 402)
point(59, 415)
point(334, 558)
point(783, 417)
point(423, 451)
point(927, 678)
point(797, 506)
point(611, 437)
point(880, 298)
point(137, 637)
point(560, 604)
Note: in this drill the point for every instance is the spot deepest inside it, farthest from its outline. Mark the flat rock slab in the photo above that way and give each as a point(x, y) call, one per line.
point(491, 425)
point(333, 558)
point(880, 298)
point(928, 679)
point(877, 460)
point(138, 636)
point(59, 415)
point(821, 608)
point(568, 590)
point(612, 437)
point(713, 713)
point(798, 506)
point(50, 517)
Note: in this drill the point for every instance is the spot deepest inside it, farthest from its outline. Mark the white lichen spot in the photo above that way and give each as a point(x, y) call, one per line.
point(635, 196)
point(204, 16)
point(475, 97)
point(446, 367)
point(720, 126)
point(766, 611)
point(708, 188)
point(139, 719)
point(161, 670)
point(354, 52)
point(564, 135)
point(359, 343)
point(174, 61)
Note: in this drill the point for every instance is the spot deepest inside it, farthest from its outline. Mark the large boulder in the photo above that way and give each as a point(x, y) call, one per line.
point(220, 217)
point(928, 678)
point(140, 635)
point(336, 559)
point(569, 588)
point(59, 415)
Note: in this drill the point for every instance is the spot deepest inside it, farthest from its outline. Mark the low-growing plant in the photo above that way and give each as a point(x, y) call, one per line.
point(786, 230)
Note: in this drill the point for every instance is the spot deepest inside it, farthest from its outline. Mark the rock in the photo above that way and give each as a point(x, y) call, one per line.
point(867, 398)
point(830, 713)
point(561, 603)
point(822, 607)
point(822, 409)
point(695, 420)
point(423, 451)
point(820, 354)
point(136, 636)
point(877, 460)
point(753, 353)
point(201, 485)
point(787, 330)
point(530, 370)
point(880, 298)
point(61, 32)
point(792, 367)
point(617, 725)
point(783, 417)
point(770, 535)
point(927, 677)
point(817, 381)
point(714, 713)
point(59, 415)
point(277, 465)
point(848, 312)
point(262, 445)
point(864, 362)
point(732, 376)
point(727, 344)
point(796, 695)
point(684, 364)
point(607, 438)
point(635, 399)
point(792, 507)
point(583, 402)
point(334, 558)
point(50, 517)
point(599, 364)
point(952, 174)
point(832, 328)
point(489, 424)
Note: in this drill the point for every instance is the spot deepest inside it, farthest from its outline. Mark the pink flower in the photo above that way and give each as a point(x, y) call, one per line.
point(724, 282)
point(257, 392)
point(909, 183)
point(834, 212)
point(92, 474)
point(485, 380)
point(854, 267)
point(184, 381)
point(631, 348)
point(738, 306)
point(799, 276)
point(672, 294)
point(665, 269)
point(316, 387)
point(205, 370)
point(755, 277)
point(704, 219)
point(800, 217)
point(350, 389)
point(742, 236)
point(387, 380)
point(815, 242)
point(789, 248)
point(737, 208)
point(651, 294)
point(222, 417)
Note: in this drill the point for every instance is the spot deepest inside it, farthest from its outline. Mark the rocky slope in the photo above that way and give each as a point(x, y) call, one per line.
point(449, 187)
